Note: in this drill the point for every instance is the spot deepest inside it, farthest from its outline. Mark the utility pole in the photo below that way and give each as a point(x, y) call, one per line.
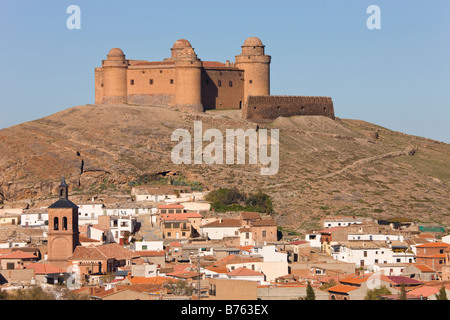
point(199, 276)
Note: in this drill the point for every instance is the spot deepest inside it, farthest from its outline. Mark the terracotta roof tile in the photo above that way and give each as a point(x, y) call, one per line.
point(433, 245)
point(223, 223)
point(18, 255)
point(244, 272)
point(341, 288)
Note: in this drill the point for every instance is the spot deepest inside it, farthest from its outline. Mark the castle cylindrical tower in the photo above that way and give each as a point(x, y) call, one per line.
point(188, 71)
point(115, 78)
point(256, 66)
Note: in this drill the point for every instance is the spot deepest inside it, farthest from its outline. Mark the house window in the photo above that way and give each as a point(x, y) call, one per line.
point(171, 81)
point(219, 83)
point(151, 81)
point(398, 260)
point(250, 81)
point(365, 253)
point(169, 234)
point(132, 82)
point(264, 233)
point(144, 247)
point(212, 290)
point(230, 83)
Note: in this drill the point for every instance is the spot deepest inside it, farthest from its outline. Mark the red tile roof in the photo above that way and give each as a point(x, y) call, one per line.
point(398, 280)
point(433, 245)
point(424, 268)
point(223, 223)
point(151, 253)
point(44, 268)
point(244, 272)
point(103, 252)
point(170, 206)
point(19, 255)
point(424, 291)
point(341, 288)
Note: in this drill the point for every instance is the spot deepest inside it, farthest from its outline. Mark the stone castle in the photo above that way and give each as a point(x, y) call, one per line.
point(187, 83)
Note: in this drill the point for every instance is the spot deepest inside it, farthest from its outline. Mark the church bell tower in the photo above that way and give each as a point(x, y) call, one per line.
point(63, 234)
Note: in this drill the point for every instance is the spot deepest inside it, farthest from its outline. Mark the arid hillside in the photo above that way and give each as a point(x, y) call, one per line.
point(327, 167)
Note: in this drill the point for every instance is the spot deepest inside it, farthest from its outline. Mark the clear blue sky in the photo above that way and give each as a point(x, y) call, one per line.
point(397, 77)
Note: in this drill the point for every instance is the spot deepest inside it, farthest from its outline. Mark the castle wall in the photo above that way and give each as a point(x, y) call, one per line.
point(151, 86)
point(272, 107)
point(222, 88)
point(114, 85)
point(98, 85)
point(188, 76)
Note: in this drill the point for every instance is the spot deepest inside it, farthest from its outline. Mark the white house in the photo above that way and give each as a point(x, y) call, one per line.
point(374, 237)
point(446, 239)
point(92, 210)
point(360, 253)
point(34, 219)
point(121, 224)
point(314, 240)
point(390, 269)
point(148, 245)
point(341, 221)
point(244, 273)
point(270, 253)
point(246, 237)
point(369, 253)
point(221, 228)
point(7, 245)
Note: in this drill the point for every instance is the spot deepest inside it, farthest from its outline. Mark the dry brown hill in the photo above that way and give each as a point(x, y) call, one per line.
point(327, 167)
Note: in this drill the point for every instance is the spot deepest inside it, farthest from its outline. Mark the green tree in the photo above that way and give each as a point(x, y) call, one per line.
point(310, 294)
point(375, 294)
point(442, 294)
point(402, 293)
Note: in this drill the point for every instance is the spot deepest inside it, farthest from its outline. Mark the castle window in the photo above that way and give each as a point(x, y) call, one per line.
point(250, 81)
point(132, 82)
point(64, 227)
point(55, 223)
point(219, 83)
point(171, 81)
point(102, 85)
point(230, 83)
point(143, 72)
point(160, 71)
point(151, 81)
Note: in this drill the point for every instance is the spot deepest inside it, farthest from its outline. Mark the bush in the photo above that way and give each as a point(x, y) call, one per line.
point(223, 200)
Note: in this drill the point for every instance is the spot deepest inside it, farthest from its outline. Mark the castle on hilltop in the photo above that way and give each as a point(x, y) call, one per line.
point(187, 83)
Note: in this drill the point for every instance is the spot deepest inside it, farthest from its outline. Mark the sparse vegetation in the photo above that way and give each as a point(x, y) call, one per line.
point(223, 200)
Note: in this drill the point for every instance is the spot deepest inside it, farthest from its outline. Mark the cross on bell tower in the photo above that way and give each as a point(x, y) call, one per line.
point(63, 189)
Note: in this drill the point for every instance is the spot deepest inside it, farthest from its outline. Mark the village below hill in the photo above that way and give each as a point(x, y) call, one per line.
point(170, 242)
